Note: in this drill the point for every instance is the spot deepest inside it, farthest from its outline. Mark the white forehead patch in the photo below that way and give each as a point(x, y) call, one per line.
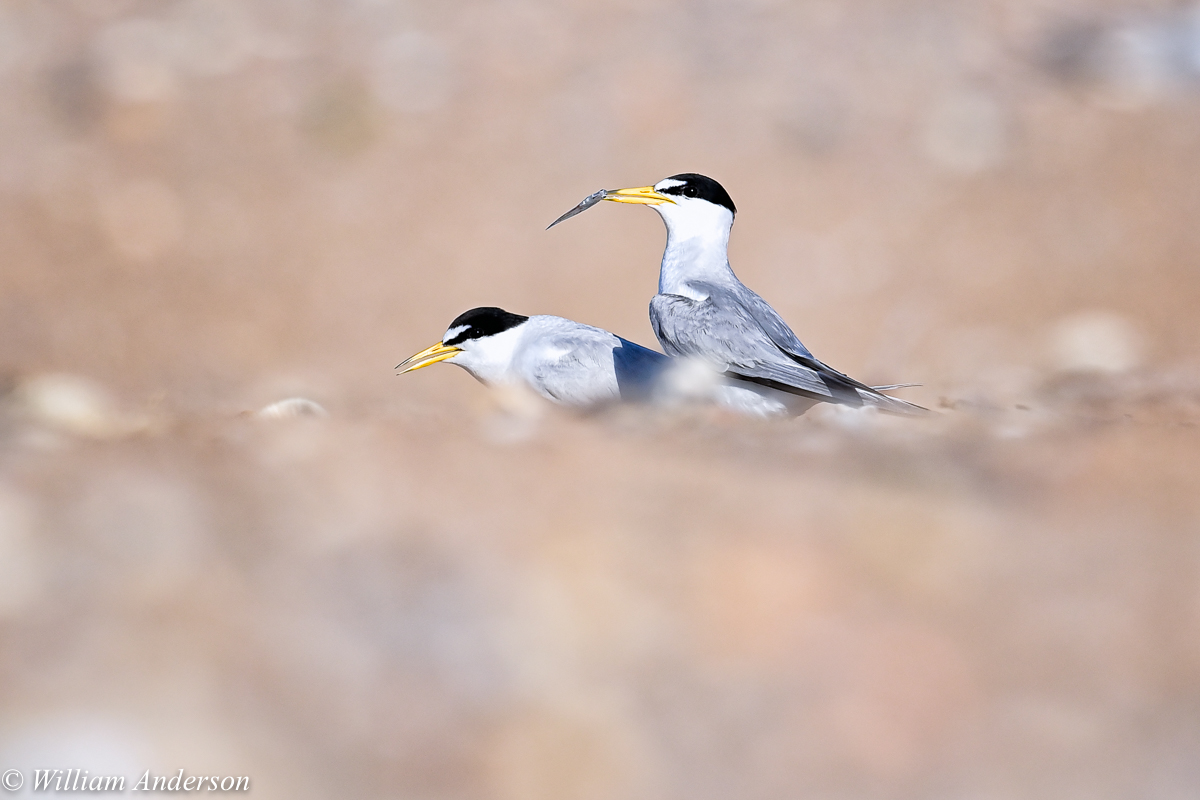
point(455, 331)
point(667, 183)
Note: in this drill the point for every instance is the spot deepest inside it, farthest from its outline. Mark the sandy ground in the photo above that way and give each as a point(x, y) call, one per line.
point(434, 592)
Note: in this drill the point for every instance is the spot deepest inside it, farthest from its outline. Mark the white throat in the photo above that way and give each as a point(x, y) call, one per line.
point(697, 246)
point(490, 359)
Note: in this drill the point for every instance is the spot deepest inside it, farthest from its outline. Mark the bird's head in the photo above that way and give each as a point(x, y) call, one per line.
point(689, 204)
point(480, 341)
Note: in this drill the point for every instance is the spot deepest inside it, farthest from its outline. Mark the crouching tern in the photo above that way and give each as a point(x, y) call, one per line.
point(703, 311)
point(578, 365)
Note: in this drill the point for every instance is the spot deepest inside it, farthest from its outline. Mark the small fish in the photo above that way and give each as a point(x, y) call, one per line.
point(588, 202)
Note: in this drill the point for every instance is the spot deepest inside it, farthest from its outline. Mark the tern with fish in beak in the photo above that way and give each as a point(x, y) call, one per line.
point(703, 311)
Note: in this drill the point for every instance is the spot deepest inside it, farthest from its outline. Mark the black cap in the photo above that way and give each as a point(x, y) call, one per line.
point(702, 186)
point(480, 322)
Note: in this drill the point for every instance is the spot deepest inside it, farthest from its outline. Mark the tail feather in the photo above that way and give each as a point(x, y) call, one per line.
point(840, 394)
point(893, 405)
point(869, 395)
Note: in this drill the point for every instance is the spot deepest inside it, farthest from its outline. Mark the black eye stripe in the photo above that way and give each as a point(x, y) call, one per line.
point(461, 336)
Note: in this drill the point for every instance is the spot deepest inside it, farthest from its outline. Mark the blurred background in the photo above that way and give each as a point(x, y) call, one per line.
point(406, 587)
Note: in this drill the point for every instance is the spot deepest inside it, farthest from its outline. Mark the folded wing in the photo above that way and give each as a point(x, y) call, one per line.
point(741, 334)
point(581, 365)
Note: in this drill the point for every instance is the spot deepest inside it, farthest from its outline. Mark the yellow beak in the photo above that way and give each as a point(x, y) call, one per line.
point(430, 355)
point(643, 195)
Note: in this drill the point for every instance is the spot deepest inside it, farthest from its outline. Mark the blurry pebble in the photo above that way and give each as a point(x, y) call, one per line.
point(1011, 429)
point(688, 380)
point(1130, 64)
point(844, 417)
point(292, 407)
point(70, 404)
point(1095, 341)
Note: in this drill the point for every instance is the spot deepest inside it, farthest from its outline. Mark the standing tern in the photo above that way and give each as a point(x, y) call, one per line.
point(703, 311)
point(578, 365)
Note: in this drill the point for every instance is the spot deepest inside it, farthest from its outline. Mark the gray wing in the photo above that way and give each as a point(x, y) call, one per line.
point(768, 319)
point(748, 340)
point(589, 366)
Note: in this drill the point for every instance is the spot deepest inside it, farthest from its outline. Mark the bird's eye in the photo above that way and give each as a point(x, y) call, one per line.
point(689, 191)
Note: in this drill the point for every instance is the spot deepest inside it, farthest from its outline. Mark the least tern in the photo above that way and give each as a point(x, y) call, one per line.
point(703, 311)
point(578, 365)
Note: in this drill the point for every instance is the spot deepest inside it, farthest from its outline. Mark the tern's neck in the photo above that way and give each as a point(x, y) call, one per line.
point(697, 250)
